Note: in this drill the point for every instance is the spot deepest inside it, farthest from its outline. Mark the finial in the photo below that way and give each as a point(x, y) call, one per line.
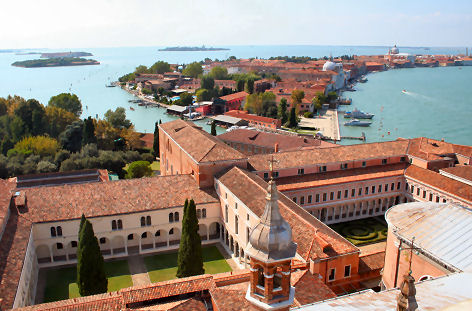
point(271, 166)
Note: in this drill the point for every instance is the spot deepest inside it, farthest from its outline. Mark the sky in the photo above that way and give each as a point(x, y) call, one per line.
point(117, 23)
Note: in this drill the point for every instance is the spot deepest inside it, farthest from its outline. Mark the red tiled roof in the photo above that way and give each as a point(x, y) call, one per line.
point(234, 96)
point(309, 288)
point(250, 117)
point(147, 139)
point(251, 190)
point(301, 158)
point(371, 262)
point(109, 301)
point(200, 145)
point(461, 171)
point(114, 197)
point(439, 181)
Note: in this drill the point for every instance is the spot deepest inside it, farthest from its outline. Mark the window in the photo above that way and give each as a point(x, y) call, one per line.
point(171, 231)
point(431, 197)
point(392, 186)
point(323, 168)
point(386, 187)
point(380, 189)
point(266, 175)
point(324, 197)
point(276, 174)
point(366, 190)
point(226, 213)
point(417, 191)
point(364, 164)
point(130, 237)
point(302, 200)
point(343, 166)
point(171, 217)
point(346, 193)
point(148, 220)
point(143, 221)
point(226, 195)
point(437, 199)
point(59, 246)
point(144, 235)
point(73, 244)
point(247, 217)
point(309, 198)
point(412, 189)
point(347, 271)
point(359, 192)
point(301, 171)
point(53, 232)
point(294, 199)
point(113, 225)
point(331, 196)
point(332, 274)
point(402, 159)
point(59, 231)
point(204, 212)
point(103, 240)
point(444, 200)
point(317, 197)
point(384, 161)
point(235, 205)
point(260, 278)
point(399, 185)
point(176, 216)
point(353, 193)
point(339, 195)
point(424, 194)
point(120, 224)
point(236, 224)
point(199, 213)
point(158, 233)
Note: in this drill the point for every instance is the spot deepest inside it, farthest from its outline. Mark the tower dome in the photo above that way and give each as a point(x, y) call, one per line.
point(329, 66)
point(271, 238)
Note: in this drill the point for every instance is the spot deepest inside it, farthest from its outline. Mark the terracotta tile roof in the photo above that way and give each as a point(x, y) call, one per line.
point(232, 298)
point(114, 197)
point(191, 304)
point(234, 96)
point(109, 301)
point(13, 245)
point(268, 140)
point(60, 178)
point(339, 177)
point(200, 145)
point(371, 262)
point(251, 190)
point(147, 139)
point(439, 181)
point(250, 117)
point(461, 171)
point(6, 188)
point(302, 158)
point(167, 288)
point(429, 149)
point(309, 288)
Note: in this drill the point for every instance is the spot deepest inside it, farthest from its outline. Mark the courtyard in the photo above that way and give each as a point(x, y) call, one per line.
point(60, 283)
point(363, 231)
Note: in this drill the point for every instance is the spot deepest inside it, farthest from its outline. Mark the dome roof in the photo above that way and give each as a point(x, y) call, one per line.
point(329, 66)
point(394, 50)
point(271, 238)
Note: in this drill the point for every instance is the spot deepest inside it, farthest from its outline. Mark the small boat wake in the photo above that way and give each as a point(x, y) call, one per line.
point(416, 95)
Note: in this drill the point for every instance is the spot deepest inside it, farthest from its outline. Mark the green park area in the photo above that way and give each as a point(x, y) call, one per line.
point(61, 283)
point(163, 267)
point(363, 231)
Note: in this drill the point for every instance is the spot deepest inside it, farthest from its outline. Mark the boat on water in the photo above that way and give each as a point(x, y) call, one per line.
point(358, 114)
point(356, 122)
point(363, 79)
point(110, 85)
point(131, 108)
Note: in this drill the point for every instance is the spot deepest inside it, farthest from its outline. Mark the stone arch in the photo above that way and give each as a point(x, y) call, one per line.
point(174, 236)
point(214, 230)
point(147, 240)
point(71, 249)
point(43, 253)
point(105, 245)
point(202, 231)
point(58, 251)
point(118, 244)
point(160, 238)
point(132, 241)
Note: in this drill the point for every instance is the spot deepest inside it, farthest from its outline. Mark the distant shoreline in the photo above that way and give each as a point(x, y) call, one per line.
point(191, 49)
point(55, 62)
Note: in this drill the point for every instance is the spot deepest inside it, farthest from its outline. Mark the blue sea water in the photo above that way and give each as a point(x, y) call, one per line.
point(438, 105)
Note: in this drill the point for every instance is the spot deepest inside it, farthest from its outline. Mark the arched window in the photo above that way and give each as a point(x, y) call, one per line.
point(73, 244)
point(120, 224)
point(277, 280)
point(53, 231)
point(171, 231)
point(113, 225)
point(260, 277)
point(103, 240)
point(204, 213)
point(143, 221)
point(148, 220)
point(236, 225)
point(176, 216)
point(199, 213)
point(59, 246)
point(158, 233)
point(226, 213)
point(144, 235)
point(59, 231)
point(171, 217)
point(130, 237)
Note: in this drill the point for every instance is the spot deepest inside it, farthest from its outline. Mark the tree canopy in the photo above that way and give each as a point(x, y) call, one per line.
point(193, 70)
point(37, 145)
point(219, 73)
point(117, 118)
point(67, 101)
point(159, 67)
point(139, 169)
point(207, 82)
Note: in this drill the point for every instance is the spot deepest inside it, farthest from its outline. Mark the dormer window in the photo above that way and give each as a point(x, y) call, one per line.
point(384, 161)
point(301, 171)
point(344, 166)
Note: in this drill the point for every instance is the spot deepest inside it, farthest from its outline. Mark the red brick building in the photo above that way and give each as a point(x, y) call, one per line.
point(255, 121)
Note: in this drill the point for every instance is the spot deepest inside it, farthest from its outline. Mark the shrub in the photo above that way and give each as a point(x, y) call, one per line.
point(308, 114)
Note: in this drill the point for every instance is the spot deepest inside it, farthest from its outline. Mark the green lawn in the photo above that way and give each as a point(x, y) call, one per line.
point(61, 283)
point(156, 166)
point(363, 231)
point(163, 267)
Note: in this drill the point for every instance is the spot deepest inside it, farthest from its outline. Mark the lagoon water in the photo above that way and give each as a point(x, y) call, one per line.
point(437, 105)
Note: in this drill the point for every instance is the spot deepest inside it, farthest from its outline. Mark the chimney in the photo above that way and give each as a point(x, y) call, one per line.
point(276, 148)
point(406, 300)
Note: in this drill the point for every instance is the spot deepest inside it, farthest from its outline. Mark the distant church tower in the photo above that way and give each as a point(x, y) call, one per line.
point(271, 250)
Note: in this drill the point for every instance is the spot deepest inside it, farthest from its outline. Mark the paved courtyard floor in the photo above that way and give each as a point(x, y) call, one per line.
point(326, 122)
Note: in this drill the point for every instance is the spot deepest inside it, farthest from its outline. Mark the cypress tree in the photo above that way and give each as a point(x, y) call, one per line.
point(82, 221)
point(190, 260)
point(292, 118)
point(88, 136)
point(213, 128)
point(155, 145)
point(91, 277)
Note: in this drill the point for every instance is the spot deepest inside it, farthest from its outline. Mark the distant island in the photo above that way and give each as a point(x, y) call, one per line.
point(65, 54)
point(191, 48)
point(55, 62)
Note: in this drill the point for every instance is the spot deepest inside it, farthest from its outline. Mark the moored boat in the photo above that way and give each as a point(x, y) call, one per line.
point(355, 122)
point(358, 114)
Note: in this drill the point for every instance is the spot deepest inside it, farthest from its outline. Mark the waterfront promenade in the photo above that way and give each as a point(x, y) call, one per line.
point(326, 122)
